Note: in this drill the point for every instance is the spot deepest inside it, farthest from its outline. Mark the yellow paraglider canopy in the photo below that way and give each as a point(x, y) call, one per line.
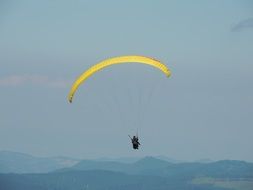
point(116, 60)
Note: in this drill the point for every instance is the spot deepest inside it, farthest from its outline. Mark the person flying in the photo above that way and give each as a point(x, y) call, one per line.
point(135, 142)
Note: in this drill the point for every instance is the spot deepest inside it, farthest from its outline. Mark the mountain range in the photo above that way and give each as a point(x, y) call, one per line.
point(148, 173)
point(15, 162)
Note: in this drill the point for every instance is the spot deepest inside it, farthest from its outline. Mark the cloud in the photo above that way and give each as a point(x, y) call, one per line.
point(41, 80)
point(244, 24)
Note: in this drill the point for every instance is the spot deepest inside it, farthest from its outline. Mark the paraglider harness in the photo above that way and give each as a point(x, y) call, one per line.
point(135, 142)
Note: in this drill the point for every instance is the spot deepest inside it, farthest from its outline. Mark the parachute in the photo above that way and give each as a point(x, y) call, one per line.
point(116, 60)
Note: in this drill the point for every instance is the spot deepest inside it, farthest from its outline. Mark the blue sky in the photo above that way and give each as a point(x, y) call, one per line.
point(203, 111)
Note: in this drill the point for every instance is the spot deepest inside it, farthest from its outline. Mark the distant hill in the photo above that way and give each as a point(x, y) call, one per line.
point(14, 162)
point(157, 167)
point(129, 160)
point(126, 160)
point(225, 170)
point(149, 164)
point(94, 180)
point(142, 166)
point(165, 158)
point(148, 173)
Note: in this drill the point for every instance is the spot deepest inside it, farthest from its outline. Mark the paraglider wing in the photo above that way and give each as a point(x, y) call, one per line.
point(116, 60)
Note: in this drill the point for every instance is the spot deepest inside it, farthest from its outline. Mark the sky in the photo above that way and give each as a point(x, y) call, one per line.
point(204, 110)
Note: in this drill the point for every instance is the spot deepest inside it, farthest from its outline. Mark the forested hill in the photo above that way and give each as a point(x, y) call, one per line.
point(148, 173)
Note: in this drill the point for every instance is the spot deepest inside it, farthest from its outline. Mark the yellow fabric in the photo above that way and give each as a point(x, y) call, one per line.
point(116, 60)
